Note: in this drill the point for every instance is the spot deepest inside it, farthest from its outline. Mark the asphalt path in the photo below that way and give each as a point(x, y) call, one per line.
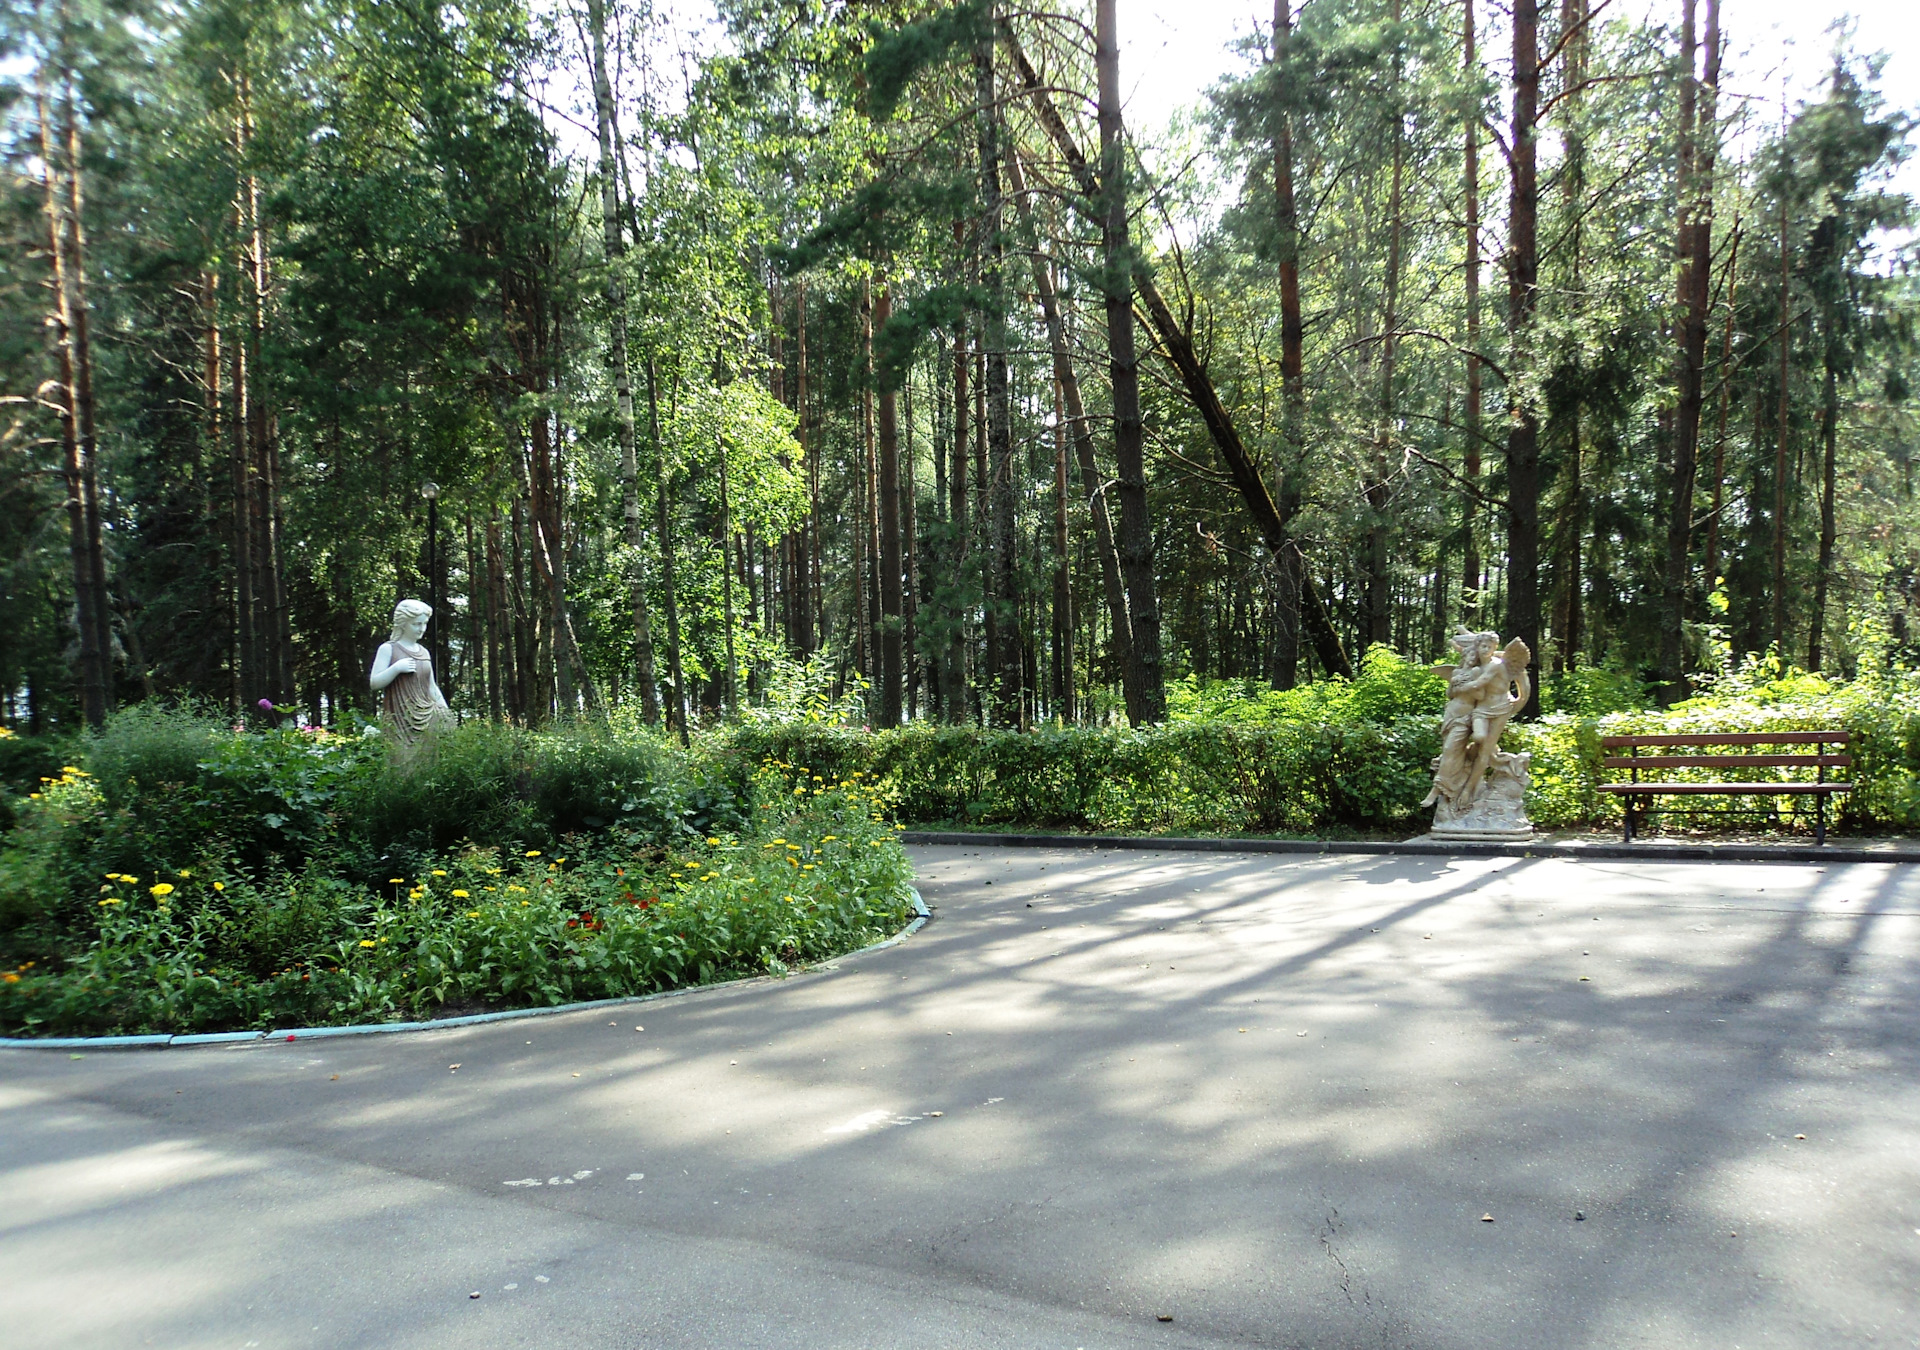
point(1282, 1101)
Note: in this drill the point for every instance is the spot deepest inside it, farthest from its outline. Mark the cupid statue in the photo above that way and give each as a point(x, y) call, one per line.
point(403, 671)
point(1479, 791)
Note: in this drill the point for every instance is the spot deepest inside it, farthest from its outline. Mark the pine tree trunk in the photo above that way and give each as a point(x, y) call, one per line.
point(1080, 430)
point(1471, 580)
point(1135, 539)
point(1523, 271)
point(613, 244)
point(93, 657)
point(956, 671)
point(677, 711)
point(1289, 568)
point(892, 603)
point(1177, 346)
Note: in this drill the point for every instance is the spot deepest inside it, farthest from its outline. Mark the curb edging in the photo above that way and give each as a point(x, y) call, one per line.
point(164, 1041)
point(1776, 853)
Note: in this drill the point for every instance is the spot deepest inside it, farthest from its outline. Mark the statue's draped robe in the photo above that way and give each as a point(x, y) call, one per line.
point(413, 706)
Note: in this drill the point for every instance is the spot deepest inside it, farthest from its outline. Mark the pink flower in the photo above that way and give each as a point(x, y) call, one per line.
point(265, 705)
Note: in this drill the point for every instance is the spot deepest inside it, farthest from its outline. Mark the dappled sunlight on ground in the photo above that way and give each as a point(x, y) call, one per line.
point(1256, 1091)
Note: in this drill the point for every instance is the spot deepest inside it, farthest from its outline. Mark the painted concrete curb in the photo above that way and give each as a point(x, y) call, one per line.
point(1776, 853)
point(162, 1042)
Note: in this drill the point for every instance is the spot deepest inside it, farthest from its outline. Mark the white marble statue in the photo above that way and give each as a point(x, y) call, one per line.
point(414, 708)
point(1479, 790)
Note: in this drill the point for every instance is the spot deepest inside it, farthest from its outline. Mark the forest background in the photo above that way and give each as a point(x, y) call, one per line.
point(863, 364)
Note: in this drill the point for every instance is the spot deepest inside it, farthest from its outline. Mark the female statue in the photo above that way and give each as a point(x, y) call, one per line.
point(414, 708)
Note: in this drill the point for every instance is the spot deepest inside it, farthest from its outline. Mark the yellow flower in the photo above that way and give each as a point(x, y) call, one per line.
point(111, 876)
point(396, 881)
point(439, 872)
point(473, 914)
point(183, 874)
point(828, 838)
point(879, 842)
point(68, 768)
point(713, 841)
point(459, 895)
point(163, 888)
point(10, 977)
point(366, 942)
point(799, 791)
point(219, 885)
point(558, 861)
point(808, 868)
point(521, 889)
point(533, 853)
point(794, 847)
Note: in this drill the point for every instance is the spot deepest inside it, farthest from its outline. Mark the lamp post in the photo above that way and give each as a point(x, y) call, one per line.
point(431, 491)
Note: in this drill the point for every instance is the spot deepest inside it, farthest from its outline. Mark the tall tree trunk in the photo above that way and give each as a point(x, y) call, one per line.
point(677, 712)
point(892, 669)
point(1523, 272)
point(614, 245)
point(1062, 567)
point(1080, 430)
point(730, 686)
point(1829, 438)
point(1695, 250)
point(1005, 655)
point(1726, 399)
point(1289, 567)
point(910, 547)
point(1470, 578)
point(93, 658)
point(1176, 344)
point(1780, 444)
point(1129, 432)
point(956, 671)
point(1378, 495)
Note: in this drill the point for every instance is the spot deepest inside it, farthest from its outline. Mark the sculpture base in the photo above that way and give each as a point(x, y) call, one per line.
point(1498, 812)
point(1521, 834)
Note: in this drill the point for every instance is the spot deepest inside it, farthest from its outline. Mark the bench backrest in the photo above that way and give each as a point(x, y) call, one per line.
point(1817, 759)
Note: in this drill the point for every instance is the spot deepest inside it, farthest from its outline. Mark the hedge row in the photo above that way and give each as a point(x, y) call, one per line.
point(1289, 777)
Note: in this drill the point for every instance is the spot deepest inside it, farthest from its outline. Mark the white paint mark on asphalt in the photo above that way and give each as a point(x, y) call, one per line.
point(636, 1176)
point(524, 1181)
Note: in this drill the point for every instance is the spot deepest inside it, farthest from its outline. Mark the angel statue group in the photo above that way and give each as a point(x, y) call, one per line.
point(1479, 790)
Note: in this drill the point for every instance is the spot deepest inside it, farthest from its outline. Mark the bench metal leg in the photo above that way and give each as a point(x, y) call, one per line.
point(1819, 818)
point(1628, 837)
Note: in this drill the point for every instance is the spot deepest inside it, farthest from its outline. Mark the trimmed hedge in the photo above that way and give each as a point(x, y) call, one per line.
point(1285, 775)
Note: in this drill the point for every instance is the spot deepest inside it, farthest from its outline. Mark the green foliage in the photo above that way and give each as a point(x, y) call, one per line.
point(214, 946)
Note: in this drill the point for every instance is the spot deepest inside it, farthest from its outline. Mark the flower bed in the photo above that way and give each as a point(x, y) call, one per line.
point(816, 872)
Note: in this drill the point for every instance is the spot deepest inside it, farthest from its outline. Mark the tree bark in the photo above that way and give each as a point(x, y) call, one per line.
point(614, 245)
point(1080, 431)
point(677, 712)
point(1289, 566)
point(1177, 347)
point(1129, 431)
point(93, 658)
point(1470, 173)
point(1004, 656)
point(891, 599)
point(1694, 229)
point(1523, 272)
point(956, 670)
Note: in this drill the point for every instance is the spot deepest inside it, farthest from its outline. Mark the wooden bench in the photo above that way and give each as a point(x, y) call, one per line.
point(1636, 792)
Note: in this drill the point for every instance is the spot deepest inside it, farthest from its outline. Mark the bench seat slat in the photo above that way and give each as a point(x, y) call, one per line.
point(1727, 761)
point(1730, 738)
point(1724, 789)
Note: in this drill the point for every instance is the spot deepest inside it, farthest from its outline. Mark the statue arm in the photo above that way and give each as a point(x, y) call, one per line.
point(386, 669)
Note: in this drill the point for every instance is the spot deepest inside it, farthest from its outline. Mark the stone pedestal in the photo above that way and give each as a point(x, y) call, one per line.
point(1498, 811)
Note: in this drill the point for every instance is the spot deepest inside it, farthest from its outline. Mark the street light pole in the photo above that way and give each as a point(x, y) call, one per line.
point(436, 647)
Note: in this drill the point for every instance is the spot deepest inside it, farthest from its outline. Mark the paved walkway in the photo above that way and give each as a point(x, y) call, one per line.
point(1269, 1098)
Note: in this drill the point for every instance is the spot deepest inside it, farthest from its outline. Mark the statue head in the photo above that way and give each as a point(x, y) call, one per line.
point(410, 620)
point(1474, 647)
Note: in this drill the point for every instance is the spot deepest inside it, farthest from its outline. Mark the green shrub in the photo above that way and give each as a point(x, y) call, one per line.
point(209, 948)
